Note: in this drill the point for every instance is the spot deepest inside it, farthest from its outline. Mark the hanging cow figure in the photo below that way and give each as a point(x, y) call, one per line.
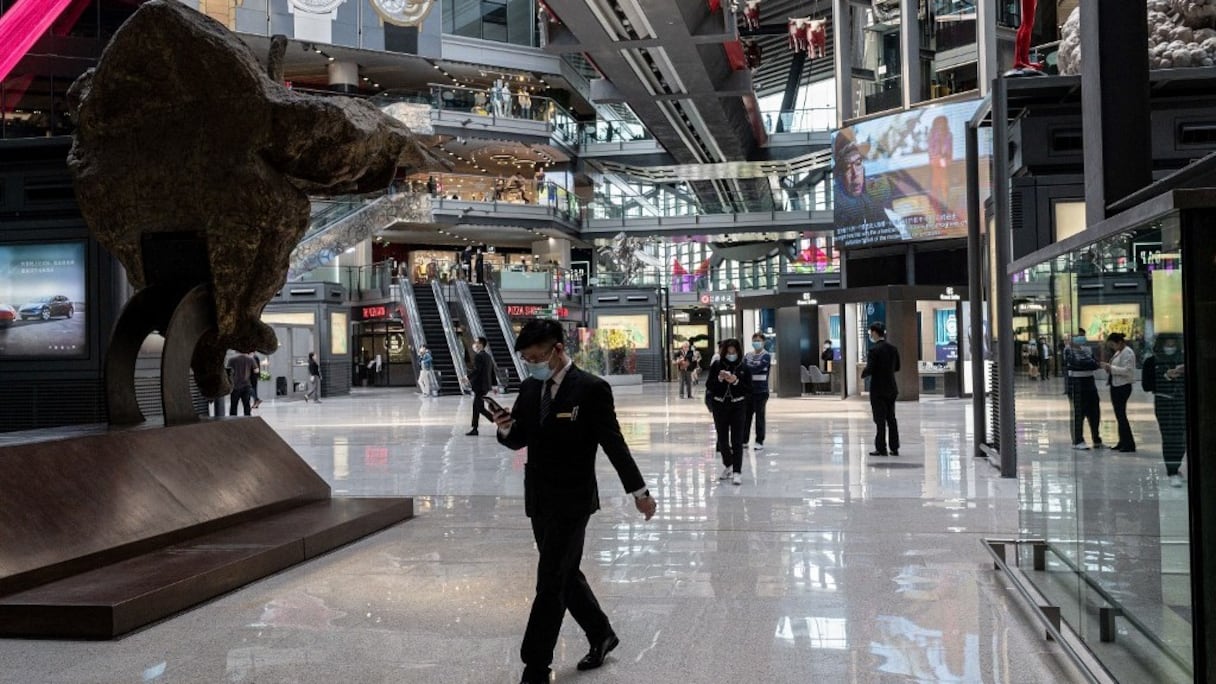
point(797, 33)
point(817, 38)
point(751, 51)
point(751, 15)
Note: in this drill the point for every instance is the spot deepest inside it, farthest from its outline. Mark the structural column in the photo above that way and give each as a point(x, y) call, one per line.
point(343, 77)
point(904, 333)
point(909, 50)
point(842, 37)
point(1114, 103)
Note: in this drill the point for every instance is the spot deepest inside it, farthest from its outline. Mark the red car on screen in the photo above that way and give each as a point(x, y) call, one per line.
point(8, 316)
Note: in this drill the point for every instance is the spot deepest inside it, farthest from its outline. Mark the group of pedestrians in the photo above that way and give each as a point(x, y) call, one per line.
point(737, 392)
point(1162, 375)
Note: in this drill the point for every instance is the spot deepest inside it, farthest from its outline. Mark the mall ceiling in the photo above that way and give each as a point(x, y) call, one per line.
point(666, 59)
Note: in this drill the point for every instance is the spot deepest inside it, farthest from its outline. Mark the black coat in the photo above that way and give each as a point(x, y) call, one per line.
point(722, 394)
point(881, 366)
point(482, 377)
point(559, 478)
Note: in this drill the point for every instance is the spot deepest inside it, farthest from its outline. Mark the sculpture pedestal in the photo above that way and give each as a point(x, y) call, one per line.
point(101, 534)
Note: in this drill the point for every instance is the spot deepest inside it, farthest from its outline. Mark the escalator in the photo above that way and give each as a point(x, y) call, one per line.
point(496, 327)
point(434, 327)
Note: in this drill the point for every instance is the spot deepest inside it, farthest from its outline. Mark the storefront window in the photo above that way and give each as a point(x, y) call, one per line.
point(1102, 433)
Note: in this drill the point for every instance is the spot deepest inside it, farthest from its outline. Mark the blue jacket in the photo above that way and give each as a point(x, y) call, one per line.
point(759, 363)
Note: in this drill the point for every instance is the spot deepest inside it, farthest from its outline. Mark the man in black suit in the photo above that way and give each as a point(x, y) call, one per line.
point(881, 366)
point(482, 378)
point(563, 415)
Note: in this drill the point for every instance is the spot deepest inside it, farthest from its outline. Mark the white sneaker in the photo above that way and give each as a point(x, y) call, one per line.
point(726, 473)
point(1176, 481)
point(1081, 446)
point(759, 446)
point(737, 479)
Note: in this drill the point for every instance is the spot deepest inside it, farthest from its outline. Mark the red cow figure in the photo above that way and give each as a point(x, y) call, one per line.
point(797, 33)
point(817, 38)
point(751, 50)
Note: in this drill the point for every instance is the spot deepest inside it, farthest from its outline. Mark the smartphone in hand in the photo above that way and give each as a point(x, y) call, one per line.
point(492, 408)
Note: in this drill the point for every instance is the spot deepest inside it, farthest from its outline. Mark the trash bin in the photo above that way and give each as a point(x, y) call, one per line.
point(280, 386)
point(951, 385)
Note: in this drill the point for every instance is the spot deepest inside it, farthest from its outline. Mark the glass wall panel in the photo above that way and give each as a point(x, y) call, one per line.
point(1102, 429)
point(505, 21)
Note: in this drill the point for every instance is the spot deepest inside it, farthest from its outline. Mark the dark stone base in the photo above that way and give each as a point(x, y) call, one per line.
point(101, 534)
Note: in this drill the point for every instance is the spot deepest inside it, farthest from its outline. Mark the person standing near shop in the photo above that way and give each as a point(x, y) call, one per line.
point(1044, 359)
point(1122, 372)
point(759, 362)
point(482, 379)
point(313, 388)
point(684, 363)
point(1164, 375)
point(882, 364)
point(728, 387)
point(242, 367)
point(828, 356)
point(1080, 366)
point(563, 416)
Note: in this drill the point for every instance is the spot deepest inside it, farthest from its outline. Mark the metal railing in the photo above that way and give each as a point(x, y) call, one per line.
point(413, 320)
point(504, 323)
point(799, 120)
point(455, 346)
point(465, 297)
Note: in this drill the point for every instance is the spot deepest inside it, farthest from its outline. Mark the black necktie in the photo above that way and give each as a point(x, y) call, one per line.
point(546, 399)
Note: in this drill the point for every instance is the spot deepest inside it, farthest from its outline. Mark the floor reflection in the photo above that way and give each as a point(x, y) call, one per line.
point(825, 565)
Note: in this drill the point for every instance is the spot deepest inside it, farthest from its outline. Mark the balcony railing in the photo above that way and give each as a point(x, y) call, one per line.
point(807, 120)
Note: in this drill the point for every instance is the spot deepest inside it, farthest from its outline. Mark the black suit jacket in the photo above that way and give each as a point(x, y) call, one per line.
point(559, 478)
point(482, 378)
point(881, 366)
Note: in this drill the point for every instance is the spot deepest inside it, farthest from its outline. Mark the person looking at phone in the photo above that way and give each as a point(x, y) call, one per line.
point(729, 385)
point(563, 415)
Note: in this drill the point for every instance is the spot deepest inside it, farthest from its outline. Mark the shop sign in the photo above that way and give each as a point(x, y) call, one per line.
point(374, 312)
point(950, 295)
point(807, 300)
point(1146, 254)
point(536, 311)
point(395, 343)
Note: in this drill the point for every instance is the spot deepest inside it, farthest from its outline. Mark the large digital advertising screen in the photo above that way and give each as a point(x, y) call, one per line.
point(902, 177)
point(42, 301)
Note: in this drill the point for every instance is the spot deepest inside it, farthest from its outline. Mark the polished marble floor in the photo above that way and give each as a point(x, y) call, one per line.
point(826, 565)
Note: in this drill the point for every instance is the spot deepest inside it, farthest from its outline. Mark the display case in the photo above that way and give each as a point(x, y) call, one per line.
point(1116, 495)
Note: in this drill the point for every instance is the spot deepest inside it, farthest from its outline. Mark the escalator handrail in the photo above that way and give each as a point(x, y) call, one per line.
point(471, 318)
point(413, 320)
point(455, 346)
point(504, 324)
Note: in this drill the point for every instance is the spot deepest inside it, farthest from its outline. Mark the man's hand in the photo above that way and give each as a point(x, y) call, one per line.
point(504, 421)
point(646, 506)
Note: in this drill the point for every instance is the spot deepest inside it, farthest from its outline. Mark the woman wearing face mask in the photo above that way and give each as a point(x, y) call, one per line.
point(729, 385)
point(1164, 375)
point(758, 363)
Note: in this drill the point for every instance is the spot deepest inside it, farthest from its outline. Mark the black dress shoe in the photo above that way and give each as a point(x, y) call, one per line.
point(599, 651)
point(878, 453)
point(471, 433)
point(895, 452)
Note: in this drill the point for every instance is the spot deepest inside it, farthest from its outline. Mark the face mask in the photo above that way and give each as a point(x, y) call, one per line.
point(732, 357)
point(1078, 340)
point(1169, 351)
point(757, 346)
point(538, 371)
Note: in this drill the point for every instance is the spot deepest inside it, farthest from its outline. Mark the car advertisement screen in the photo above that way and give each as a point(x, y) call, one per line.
point(42, 301)
point(902, 177)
